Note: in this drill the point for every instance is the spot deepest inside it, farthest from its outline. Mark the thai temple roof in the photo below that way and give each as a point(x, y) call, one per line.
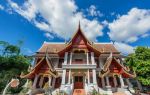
point(49, 69)
point(112, 62)
point(56, 47)
point(79, 41)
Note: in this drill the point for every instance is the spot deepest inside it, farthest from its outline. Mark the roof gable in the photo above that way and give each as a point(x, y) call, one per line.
point(113, 66)
point(79, 37)
point(43, 66)
point(78, 41)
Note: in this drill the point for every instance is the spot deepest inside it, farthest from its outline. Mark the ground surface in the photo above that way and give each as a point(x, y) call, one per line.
point(79, 92)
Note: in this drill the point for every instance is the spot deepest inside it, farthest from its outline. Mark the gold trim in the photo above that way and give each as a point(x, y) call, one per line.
point(78, 49)
point(23, 76)
point(102, 75)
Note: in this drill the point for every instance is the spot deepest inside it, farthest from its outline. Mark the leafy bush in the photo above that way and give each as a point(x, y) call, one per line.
point(12, 63)
point(140, 63)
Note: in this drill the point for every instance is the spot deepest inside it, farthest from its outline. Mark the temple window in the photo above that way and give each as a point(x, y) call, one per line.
point(60, 63)
point(79, 57)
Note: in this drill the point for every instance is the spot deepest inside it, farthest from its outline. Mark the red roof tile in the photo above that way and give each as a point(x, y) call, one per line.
point(56, 47)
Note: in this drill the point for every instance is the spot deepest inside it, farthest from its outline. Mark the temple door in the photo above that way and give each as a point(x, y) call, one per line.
point(78, 82)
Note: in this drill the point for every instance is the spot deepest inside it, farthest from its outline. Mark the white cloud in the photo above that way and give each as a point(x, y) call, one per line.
point(105, 23)
point(27, 51)
point(145, 35)
point(92, 11)
point(112, 14)
point(124, 48)
point(1, 7)
point(59, 17)
point(28, 10)
point(128, 28)
point(49, 36)
point(42, 25)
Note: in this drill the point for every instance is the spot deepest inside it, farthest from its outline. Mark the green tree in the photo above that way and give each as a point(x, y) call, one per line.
point(140, 63)
point(12, 63)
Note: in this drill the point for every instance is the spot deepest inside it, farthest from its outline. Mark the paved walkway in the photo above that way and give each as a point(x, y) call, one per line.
point(79, 92)
point(119, 93)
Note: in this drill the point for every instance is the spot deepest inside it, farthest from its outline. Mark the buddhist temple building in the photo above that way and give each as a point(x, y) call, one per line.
point(80, 64)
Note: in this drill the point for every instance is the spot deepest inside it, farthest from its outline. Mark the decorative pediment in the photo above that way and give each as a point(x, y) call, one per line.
point(79, 37)
point(80, 42)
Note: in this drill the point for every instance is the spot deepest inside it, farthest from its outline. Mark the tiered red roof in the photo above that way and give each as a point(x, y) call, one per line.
point(57, 47)
point(113, 66)
point(78, 41)
point(43, 66)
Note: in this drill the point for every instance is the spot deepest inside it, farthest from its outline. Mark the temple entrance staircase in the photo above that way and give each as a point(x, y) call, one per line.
point(79, 92)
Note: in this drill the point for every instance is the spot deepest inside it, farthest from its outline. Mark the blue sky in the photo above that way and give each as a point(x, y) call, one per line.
point(34, 21)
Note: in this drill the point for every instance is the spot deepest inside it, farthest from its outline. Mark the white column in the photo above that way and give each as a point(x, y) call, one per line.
point(101, 62)
point(88, 76)
point(49, 81)
point(93, 70)
point(92, 57)
point(72, 79)
point(103, 82)
point(107, 81)
point(64, 71)
point(87, 58)
point(66, 57)
point(94, 77)
point(121, 81)
point(63, 77)
point(108, 87)
point(69, 78)
point(129, 83)
point(53, 84)
point(115, 81)
point(70, 58)
point(41, 81)
point(35, 81)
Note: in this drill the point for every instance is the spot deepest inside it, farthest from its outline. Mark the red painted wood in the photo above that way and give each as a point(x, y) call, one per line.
point(58, 82)
point(78, 85)
point(78, 82)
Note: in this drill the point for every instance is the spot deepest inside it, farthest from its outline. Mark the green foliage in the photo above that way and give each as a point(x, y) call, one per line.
point(94, 92)
point(12, 63)
point(140, 62)
point(12, 49)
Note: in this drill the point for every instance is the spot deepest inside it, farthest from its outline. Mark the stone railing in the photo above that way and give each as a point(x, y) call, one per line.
point(77, 66)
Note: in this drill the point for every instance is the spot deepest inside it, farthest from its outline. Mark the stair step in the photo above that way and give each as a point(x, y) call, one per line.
point(79, 92)
point(119, 93)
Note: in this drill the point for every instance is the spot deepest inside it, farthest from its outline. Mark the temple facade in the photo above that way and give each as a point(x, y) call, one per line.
point(80, 64)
